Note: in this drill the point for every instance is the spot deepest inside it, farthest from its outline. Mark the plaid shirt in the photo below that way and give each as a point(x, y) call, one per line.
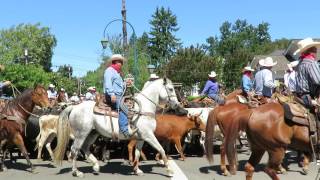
point(308, 77)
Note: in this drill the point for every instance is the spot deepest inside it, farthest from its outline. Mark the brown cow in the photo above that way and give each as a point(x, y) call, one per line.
point(172, 128)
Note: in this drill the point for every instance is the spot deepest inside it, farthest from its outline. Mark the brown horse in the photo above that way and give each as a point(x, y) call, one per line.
point(267, 130)
point(13, 120)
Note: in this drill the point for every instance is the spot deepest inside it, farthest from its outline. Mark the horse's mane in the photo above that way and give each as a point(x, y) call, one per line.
point(23, 97)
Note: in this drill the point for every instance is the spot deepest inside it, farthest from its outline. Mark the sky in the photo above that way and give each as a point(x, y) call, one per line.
point(78, 24)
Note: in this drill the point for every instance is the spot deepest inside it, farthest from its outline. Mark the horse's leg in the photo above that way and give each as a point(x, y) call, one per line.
point(152, 140)
point(3, 152)
point(18, 140)
point(254, 159)
point(275, 160)
point(86, 149)
point(75, 149)
point(223, 166)
point(179, 148)
point(48, 145)
point(136, 169)
point(306, 161)
point(132, 143)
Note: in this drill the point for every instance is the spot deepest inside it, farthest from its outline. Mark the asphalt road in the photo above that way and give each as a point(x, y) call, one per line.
point(193, 168)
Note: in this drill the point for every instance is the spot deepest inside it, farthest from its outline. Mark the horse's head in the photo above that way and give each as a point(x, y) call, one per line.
point(40, 96)
point(198, 124)
point(167, 93)
point(61, 97)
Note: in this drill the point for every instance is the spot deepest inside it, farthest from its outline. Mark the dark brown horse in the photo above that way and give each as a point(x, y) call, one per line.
point(13, 120)
point(267, 130)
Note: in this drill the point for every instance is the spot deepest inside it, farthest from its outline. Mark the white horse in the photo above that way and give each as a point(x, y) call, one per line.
point(82, 121)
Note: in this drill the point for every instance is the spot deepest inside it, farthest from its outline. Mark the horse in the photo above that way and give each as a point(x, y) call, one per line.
point(268, 130)
point(14, 118)
point(172, 128)
point(82, 121)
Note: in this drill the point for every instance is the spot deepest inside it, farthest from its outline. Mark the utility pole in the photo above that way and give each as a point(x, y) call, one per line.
point(26, 56)
point(124, 25)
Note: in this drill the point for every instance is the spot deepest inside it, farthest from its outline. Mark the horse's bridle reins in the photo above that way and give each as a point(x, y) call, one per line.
point(150, 113)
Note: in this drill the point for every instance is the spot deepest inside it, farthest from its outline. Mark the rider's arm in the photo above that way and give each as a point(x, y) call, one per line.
point(206, 88)
point(246, 84)
point(314, 72)
point(268, 80)
point(108, 78)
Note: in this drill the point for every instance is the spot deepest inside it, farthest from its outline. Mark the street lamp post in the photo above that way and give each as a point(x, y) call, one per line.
point(150, 66)
point(104, 43)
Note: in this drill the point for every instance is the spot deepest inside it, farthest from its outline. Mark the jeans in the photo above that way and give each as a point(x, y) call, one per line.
point(218, 99)
point(123, 111)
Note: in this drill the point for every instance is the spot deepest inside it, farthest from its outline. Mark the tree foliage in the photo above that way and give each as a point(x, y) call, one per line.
point(37, 39)
point(163, 43)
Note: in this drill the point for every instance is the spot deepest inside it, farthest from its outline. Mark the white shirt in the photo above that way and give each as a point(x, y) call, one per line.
point(290, 81)
point(90, 96)
point(52, 94)
point(74, 99)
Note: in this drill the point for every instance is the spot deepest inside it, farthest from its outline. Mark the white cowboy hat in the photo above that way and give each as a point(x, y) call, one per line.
point(247, 68)
point(267, 62)
point(62, 89)
point(292, 65)
point(117, 57)
point(51, 86)
point(153, 76)
point(90, 88)
point(306, 44)
point(212, 74)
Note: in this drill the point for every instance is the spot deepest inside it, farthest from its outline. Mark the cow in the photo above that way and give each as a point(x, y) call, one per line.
point(172, 128)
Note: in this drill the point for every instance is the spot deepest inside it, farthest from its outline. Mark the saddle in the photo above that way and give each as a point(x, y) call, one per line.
point(296, 112)
point(102, 108)
point(252, 101)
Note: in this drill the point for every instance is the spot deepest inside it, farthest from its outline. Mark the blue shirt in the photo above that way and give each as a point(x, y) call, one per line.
point(246, 83)
point(211, 88)
point(264, 83)
point(112, 82)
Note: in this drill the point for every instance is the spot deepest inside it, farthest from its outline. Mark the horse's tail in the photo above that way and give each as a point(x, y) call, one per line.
point(231, 134)
point(211, 123)
point(63, 134)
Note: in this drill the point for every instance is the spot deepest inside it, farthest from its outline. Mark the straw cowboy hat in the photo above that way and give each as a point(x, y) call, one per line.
point(117, 57)
point(51, 86)
point(267, 62)
point(153, 76)
point(212, 74)
point(90, 88)
point(292, 65)
point(247, 68)
point(306, 44)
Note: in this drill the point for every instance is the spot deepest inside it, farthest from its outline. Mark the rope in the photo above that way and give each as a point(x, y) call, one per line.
point(28, 111)
point(14, 90)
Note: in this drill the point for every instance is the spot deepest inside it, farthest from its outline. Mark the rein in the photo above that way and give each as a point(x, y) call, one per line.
point(30, 113)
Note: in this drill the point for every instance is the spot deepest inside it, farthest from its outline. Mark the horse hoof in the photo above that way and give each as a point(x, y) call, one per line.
point(226, 173)
point(305, 171)
point(138, 172)
point(181, 159)
point(170, 172)
point(161, 162)
point(77, 173)
point(96, 168)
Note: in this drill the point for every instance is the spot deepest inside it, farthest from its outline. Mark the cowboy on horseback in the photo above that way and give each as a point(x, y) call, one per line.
point(113, 87)
point(308, 71)
point(246, 81)
point(264, 81)
point(212, 88)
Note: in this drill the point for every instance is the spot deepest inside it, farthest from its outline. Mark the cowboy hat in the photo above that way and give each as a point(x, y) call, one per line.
point(292, 65)
point(212, 74)
point(62, 89)
point(117, 57)
point(51, 86)
point(305, 44)
point(247, 68)
point(267, 62)
point(153, 76)
point(90, 88)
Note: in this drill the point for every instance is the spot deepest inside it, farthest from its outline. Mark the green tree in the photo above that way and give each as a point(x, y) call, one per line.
point(65, 71)
point(163, 43)
point(37, 39)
